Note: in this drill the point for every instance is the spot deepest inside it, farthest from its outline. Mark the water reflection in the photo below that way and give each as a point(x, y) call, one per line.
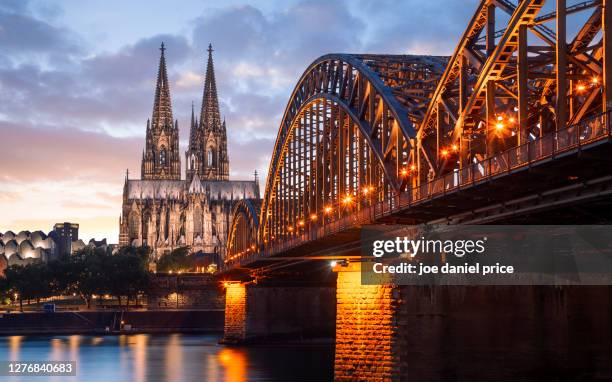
point(235, 364)
point(175, 357)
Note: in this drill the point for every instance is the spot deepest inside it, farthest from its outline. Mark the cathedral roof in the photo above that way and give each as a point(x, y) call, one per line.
point(159, 189)
point(175, 189)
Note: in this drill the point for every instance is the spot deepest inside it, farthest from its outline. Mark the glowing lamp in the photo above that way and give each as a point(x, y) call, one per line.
point(313, 217)
point(347, 199)
point(499, 126)
point(580, 88)
point(444, 153)
point(328, 210)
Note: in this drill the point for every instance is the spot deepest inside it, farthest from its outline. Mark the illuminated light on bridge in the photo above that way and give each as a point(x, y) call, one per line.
point(348, 199)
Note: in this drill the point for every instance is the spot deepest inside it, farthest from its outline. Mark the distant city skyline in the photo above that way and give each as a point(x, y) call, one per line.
point(77, 80)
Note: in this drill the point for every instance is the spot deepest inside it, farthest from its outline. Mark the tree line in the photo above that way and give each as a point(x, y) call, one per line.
point(89, 272)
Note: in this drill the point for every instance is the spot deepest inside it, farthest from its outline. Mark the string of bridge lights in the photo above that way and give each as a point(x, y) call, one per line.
point(502, 123)
point(346, 201)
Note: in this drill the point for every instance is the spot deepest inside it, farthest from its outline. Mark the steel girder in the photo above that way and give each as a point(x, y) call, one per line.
point(244, 228)
point(502, 87)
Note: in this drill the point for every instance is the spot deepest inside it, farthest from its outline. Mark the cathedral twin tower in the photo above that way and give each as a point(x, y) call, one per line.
point(207, 153)
point(163, 211)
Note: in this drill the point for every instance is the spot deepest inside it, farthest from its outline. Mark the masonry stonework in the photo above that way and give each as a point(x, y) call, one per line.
point(235, 313)
point(366, 329)
point(255, 313)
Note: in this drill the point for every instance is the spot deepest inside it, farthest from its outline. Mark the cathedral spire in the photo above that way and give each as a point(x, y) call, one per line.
point(192, 114)
point(161, 158)
point(193, 132)
point(210, 118)
point(162, 108)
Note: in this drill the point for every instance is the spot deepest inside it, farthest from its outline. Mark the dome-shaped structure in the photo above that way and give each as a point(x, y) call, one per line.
point(10, 248)
point(26, 249)
point(8, 236)
point(37, 237)
point(14, 259)
point(36, 253)
point(47, 243)
point(23, 235)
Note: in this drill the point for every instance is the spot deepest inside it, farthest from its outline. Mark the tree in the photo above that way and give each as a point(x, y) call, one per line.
point(5, 290)
point(127, 275)
point(28, 282)
point(177, 260)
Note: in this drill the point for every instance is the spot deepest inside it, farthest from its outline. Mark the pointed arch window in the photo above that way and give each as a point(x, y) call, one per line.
point(209, 157)
point(163, 156)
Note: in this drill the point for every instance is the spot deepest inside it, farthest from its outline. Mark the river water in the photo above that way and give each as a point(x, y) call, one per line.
point(173, 357)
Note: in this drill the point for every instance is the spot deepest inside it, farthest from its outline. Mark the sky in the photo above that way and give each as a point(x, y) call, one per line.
point(77, 80)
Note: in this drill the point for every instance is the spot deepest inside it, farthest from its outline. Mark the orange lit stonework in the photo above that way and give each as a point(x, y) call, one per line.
point(364, 329)
point(235, 312)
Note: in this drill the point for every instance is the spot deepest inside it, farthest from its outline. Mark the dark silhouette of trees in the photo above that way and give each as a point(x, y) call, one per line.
point(177, 260)
point(87, 273)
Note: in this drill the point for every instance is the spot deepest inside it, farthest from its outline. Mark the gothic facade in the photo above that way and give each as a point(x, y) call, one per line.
point(162, 210)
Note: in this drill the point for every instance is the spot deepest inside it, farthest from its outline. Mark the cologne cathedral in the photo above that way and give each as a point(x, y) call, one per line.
point(162, 210)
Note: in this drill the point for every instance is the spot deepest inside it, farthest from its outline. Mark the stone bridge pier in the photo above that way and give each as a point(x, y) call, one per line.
point(482, 333)
point(278, 311)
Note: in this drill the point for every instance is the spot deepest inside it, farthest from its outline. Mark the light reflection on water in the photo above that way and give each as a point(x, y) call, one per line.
point(173, 357)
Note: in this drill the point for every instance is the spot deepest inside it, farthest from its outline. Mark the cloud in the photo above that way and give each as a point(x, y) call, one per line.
point(23, 33)
point(53, 154)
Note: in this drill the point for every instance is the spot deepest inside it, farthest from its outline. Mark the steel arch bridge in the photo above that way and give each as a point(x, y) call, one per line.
point(364, 136)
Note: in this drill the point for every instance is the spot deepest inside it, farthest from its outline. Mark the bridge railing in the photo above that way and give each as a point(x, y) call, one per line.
point(548, 146)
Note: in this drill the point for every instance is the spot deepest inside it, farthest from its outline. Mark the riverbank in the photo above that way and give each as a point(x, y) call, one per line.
point(112, 322)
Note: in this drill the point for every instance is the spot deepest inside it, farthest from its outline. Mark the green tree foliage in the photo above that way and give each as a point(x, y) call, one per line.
point(177, 260)
point(29, 282)
point(89, 272)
